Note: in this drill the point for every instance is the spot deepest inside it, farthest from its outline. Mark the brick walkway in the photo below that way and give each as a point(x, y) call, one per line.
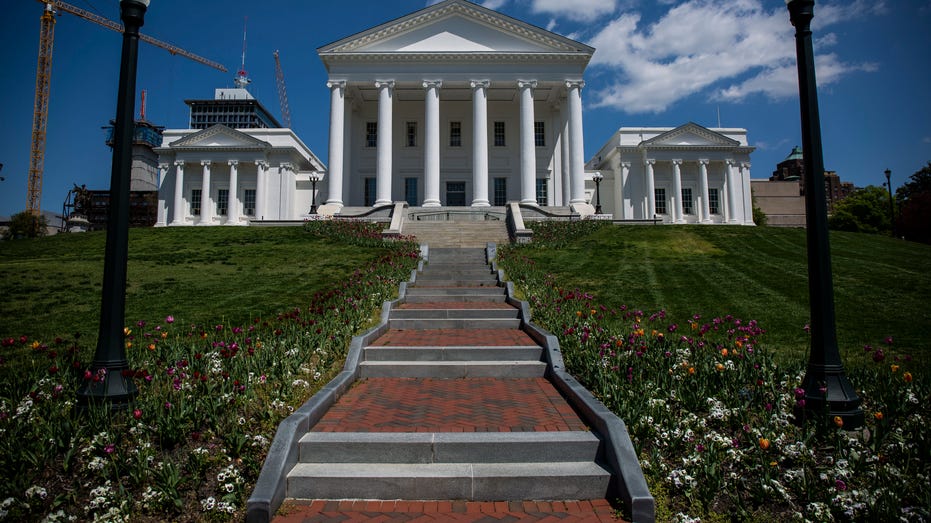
point(442, 405)
point(587, 511)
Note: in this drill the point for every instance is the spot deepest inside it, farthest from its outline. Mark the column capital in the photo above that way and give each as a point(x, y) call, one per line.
point(575, 84)
point(233, 163)
point(524, 84)
point(625, 165)
point(384, 83)
point(205, 163)
point(704, 161)
point(745, 165)
point(676, 161)
point(286, 166)
point(179, 163)
point(730, 163)
point(164, 166)
point(262, 163)
point(336, 84)
point(649, 161)
point(429, 84)
point(483, 84)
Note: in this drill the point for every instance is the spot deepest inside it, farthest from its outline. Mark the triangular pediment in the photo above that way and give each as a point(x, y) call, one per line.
point(219, 136)
point(691, 135)
point(455, 26)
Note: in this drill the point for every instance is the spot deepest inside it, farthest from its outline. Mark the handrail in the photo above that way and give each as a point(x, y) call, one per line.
point(369, 212)
point(549, 214)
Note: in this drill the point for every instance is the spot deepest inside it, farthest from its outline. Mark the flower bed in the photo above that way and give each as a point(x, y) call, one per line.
point(711, 412)
point(210, 399)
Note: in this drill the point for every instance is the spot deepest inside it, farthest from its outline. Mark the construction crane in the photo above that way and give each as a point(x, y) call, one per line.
point(43, 81)
point(282, 93)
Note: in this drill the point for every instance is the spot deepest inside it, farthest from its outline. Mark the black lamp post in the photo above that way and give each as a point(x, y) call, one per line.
point(314, 178)
point(827, 389)
point(109, 382)
point(888, 174)
point(597, 177)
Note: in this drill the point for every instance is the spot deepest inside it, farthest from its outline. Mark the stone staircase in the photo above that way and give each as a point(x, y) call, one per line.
point(452, 405)
point(463, 234)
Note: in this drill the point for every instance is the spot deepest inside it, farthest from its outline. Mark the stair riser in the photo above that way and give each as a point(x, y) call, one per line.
point(422, 354)
point(453, 452)
point(439, 314)
point(470, 298)
point(453, 370)
point(462, 323)
point(468, 291)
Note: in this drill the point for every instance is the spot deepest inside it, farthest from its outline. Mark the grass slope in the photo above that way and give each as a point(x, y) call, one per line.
point(881, 285)
point(51, 286)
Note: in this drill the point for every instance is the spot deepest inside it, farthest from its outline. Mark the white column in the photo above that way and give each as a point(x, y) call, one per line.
point(480, 143)
point(677, 212)
point(747, 199)
point(620, 180)
point(565, 165)
point(285, 190)
point(651, 193)
point(385, 142)
point(206, 205)
point(261, 183)
point(177, 211)
point(576, 144)
point(337, 130)
point(431, 181)
point(162, 216)
point(528, 151)
point(703, 187)
point(731, 190)
point(232, 212)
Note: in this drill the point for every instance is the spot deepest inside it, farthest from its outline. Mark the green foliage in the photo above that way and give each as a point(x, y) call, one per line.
point(26, 225)
point(710, 411)
point(866, 210)
point(914, 200)
point(211, 394)
point(555, 234)
point(759, 217)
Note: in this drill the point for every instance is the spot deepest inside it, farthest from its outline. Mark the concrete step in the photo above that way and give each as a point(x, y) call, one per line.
point(453, 369)
point(489, 281)
point(468, 481)
point(439, 314)
point(462, 353)
point(465, 298)
point(448, 447)
point(457, 270)
point(461, 291)
point(453, 323)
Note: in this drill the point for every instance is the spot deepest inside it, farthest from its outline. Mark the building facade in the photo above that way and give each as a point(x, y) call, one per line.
point(686, 174)
point(455, 105)
point(220, 175)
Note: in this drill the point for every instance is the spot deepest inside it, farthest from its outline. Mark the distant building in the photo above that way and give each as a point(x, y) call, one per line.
point(780, 201)
point(793, 169)
point(234, 165)
point(790, 169)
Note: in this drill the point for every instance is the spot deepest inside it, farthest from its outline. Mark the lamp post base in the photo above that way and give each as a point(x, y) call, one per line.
point(829, 396)
point(113, 390)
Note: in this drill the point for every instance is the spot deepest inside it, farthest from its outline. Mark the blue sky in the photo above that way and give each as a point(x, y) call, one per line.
point(658, 63)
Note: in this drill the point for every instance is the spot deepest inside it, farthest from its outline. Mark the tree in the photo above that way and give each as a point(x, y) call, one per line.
point(26, 225)
point(914, 199)
point(866, 210)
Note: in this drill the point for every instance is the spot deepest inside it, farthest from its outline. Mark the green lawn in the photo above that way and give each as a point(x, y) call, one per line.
point(882, 285)
point(51, 286)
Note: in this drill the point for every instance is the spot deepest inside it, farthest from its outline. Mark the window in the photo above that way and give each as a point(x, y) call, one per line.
point(249, 202)
point(369, 189)
point(410, 191)
point(660, 197)
point(714, 202)
point(499, 134)
point(542, 192)
point(371, 134)
point(195, 202)
point(223, 201)
point(539, 134)
point(455, 134)
point(501, 191)
point(687, 201)
point(412, 134)
point(455, 194)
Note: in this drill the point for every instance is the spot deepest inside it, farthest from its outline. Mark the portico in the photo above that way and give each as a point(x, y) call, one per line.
point(455, 105)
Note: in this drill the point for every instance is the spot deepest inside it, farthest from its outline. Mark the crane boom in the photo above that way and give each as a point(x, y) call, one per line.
point(43, 82)
point(282, 93)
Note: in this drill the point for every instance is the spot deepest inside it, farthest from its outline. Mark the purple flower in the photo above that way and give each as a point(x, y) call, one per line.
point(799, 393)
point(169, 319)
point(888, 340)
point(879, 356)
point(109, 448)
point(840, 485)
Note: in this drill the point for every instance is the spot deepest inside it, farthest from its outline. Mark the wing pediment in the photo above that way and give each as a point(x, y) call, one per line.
point(219, 136)
point(691, 135)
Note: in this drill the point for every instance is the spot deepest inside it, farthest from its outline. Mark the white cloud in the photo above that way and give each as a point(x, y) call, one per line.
point(494, 4)
point(578, 10)
point(698, 47)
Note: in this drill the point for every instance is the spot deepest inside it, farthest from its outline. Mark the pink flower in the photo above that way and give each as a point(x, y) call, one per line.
point(169, 319)
point(137, 414)
point(109, 448)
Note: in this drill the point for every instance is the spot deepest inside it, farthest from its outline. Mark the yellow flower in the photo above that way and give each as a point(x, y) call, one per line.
point(773, 463)
point(764, 443)
point(578, 314)
point(129, 344)
point(593, 312)
point(35, 344)
point(838, 421)
point(907, 377)
point(691, 370)
point(895, 368)
point(878, 415)
point(164, 335)
point(127, 331)
point(719, 366)
point(151, 346)
point(724, 352)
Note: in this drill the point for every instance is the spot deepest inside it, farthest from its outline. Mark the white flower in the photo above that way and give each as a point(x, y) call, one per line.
point(36, 491)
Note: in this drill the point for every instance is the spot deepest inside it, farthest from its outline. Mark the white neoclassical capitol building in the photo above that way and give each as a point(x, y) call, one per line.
point(454, 105)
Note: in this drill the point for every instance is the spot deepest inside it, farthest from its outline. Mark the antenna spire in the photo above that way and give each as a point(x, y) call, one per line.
point(242, 77)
